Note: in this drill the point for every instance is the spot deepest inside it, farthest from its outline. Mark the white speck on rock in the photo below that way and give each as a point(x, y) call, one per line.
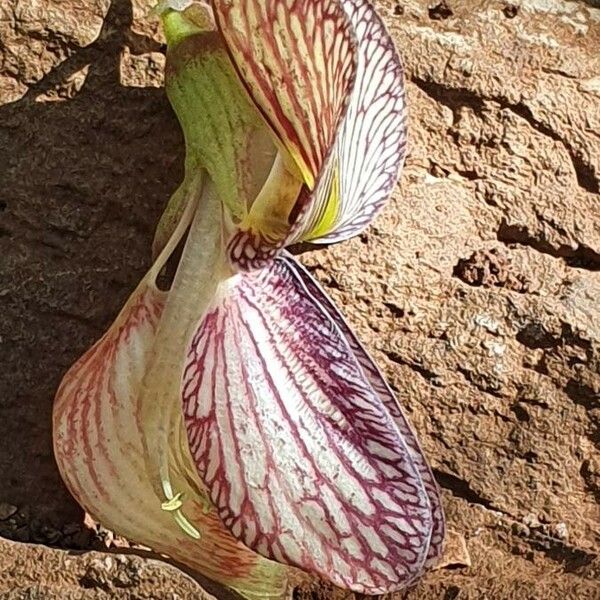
point(495, 348)
point(591, 85)
point(448, 39)
point(487, 322)
point(541, 39)
point(561, 531)
point(531, 521)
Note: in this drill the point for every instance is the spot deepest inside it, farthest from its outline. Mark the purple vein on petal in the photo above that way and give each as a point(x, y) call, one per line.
point(302, 457)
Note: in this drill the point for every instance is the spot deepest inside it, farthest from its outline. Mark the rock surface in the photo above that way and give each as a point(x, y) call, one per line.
point(38, 573)
point(477, 288)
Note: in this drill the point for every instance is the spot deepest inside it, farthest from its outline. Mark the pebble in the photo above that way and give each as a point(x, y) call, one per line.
point(561, 531)
point(7, 510)
point(531, 520)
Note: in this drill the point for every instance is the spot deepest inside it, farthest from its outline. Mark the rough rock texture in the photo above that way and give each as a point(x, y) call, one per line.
point(477, 289)
point(37, 573)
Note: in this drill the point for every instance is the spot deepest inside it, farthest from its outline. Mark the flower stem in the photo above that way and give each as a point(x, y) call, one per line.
point(202, 267)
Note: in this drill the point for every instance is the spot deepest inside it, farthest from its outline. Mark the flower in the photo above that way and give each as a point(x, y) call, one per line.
point(234, 422)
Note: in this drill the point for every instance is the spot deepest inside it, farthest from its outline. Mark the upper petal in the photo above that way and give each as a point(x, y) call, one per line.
point(300, 454)
point(327, 79)
point(297, 61)
point(370, 146)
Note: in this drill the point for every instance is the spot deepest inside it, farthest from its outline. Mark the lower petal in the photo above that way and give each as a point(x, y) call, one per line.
point(387, 396)
point(99, 447)
point(305, 458)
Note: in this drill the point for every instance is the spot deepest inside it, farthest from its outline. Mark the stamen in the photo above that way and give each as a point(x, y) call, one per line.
point(173, 504)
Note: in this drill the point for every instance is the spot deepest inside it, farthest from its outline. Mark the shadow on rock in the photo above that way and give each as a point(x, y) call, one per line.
point(83, 181)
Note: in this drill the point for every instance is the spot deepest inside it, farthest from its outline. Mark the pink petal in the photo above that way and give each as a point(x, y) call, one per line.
point(298, 448)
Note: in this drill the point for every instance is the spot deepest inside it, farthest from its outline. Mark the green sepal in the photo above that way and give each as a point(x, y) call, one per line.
point(224, 132)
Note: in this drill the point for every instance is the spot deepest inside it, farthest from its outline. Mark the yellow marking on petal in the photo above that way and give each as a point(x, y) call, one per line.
point(331, 210)
point(297, 165)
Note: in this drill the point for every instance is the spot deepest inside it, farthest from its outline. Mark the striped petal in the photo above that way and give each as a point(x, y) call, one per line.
point(99, 448)
point(296, 59)
point(371, 144)
point(378, 383)
point(304, 459)
point(101, 441)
